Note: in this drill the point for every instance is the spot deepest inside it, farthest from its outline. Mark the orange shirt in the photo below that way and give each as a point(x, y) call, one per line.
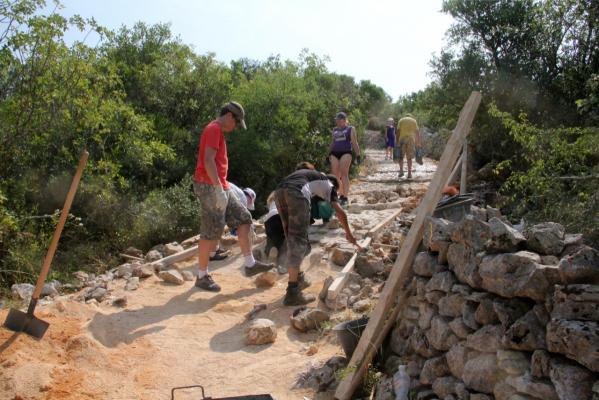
point(213, 136)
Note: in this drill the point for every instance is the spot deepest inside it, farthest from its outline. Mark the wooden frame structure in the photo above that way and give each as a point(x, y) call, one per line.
point(392, 298)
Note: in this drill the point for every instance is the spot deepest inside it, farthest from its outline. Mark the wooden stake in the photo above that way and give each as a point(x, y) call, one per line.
point(380, 320)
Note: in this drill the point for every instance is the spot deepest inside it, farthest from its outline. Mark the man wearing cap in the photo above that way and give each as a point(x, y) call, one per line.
point(218, 204)
point(389, 139)
point(408, 138)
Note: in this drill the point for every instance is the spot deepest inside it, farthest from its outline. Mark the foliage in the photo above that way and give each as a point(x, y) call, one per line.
point(555, 176)
point(527, 57)
point(138, 101)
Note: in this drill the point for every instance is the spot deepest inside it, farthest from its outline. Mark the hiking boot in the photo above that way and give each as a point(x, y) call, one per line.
point(207, 283)
point(343, 200)
point(400, 174)
point(302, 281)
point(295, 297)
point(220, 255)
point(258, 267)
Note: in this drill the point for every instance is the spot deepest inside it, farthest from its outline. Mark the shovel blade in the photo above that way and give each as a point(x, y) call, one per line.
point(18, 321)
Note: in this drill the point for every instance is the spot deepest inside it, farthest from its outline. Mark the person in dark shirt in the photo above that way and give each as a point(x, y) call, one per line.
point(292, 198)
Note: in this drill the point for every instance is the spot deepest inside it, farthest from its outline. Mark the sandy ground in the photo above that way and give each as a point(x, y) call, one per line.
point(169, 336)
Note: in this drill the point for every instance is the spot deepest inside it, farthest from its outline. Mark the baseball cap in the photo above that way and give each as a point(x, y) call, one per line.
point(237, 110)
point(341, 115)
point(389, 119)
point(251, 196)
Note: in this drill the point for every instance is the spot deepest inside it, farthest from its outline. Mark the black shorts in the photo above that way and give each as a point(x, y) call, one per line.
point(339, 154)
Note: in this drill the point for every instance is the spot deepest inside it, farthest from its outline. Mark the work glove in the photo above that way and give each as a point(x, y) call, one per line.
point(221, 199)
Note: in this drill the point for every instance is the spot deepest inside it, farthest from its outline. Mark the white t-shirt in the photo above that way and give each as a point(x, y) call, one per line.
point(239, 194)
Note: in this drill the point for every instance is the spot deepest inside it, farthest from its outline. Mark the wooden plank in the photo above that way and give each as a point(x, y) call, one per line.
point(454, 172)
point(402, 268)
point(464, 173)
point(375, 231)
point(178, 257)
point(339, 281)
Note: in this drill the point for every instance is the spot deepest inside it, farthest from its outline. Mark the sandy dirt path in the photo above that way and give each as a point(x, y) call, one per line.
point(169, 336)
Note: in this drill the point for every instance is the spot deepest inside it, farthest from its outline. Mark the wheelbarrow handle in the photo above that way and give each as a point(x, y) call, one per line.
point(58, 231)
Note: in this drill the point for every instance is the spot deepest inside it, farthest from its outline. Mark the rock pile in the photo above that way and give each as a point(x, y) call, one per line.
point(498, 313)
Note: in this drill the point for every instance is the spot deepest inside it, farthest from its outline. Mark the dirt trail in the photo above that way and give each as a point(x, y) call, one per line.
point(170, 336)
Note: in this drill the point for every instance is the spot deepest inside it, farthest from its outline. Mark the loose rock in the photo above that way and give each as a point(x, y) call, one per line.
point(172, 276)
point(261, 331)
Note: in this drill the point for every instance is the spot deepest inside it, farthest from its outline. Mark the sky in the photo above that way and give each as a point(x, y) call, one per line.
point(389, 42)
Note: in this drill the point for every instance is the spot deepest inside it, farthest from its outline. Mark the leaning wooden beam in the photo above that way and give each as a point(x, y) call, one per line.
point(377, 229)
point(401, 270)
point(464, 172)
point(339, 281)
point(454, 172)
point(178, 257)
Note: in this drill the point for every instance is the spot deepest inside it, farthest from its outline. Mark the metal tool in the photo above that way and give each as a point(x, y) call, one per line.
point(19, 321)
point(248, 397)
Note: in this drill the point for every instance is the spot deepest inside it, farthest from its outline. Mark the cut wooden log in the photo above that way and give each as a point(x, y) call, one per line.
point(381, 319)
point(178, 257)
point(339, 281)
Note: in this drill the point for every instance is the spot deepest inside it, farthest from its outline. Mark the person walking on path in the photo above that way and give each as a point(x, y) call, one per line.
point(408, 138)
point(340, 155)
point(292, 198)
point(218, 204)
point(389, 139)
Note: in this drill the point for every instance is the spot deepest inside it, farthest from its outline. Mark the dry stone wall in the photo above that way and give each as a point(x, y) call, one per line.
point(500, 313)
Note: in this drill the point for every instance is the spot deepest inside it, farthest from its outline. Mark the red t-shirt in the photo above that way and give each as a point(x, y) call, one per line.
point(213, 136)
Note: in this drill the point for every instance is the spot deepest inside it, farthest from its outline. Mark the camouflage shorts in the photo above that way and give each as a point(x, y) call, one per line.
point(213, 220)
point(294, 210)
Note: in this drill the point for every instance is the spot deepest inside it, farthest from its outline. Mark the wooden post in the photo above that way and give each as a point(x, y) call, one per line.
point(454, 172)
point(381, 319)
point(464, 173)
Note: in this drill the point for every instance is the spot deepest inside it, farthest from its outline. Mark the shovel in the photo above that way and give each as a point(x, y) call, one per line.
point(19, 321)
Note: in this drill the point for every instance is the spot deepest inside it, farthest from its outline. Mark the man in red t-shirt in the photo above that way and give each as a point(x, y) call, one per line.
point(219, 204)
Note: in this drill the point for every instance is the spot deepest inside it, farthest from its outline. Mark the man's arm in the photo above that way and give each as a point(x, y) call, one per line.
point(210, 165)
point(342, 217)
point(417, 137)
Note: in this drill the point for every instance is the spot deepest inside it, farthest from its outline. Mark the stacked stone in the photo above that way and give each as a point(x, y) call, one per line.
point(496, 313)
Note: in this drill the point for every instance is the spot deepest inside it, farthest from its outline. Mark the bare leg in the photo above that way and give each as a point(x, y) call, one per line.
point(336, 171)
point(409, 162)
point(205, 247)
point(243, 233)
point(293, 274)
point(344, 165)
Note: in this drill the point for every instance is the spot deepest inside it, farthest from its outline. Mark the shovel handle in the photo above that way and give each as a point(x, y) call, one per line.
point(57, 232)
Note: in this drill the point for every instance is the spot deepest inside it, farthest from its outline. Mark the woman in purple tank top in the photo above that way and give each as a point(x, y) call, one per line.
point(340, 155)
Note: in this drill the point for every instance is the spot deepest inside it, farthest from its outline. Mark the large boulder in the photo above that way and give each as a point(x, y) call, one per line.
point(527, 385)
point(436, 232)
point(451, 305)
point(440, 335)
point(459, 328)
point(545, 238)
point(518, 275)
point(471, 232)
point(457, 357)
point(513, 362)
point(509, 310)
point(580, 267)
point(463, 261)
point(261, 331)
point(486, 340)
point(433, 368)
point(571, 381)
point(577, 340)
point(306, 318)
point(539, 364)
point(425, 264)
point(528, 332)
point(441, 281)
point(578, 302)
point(480, 373)
point(504, 238)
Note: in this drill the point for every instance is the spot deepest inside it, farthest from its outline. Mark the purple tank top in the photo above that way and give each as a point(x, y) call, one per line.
point(341, 139)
